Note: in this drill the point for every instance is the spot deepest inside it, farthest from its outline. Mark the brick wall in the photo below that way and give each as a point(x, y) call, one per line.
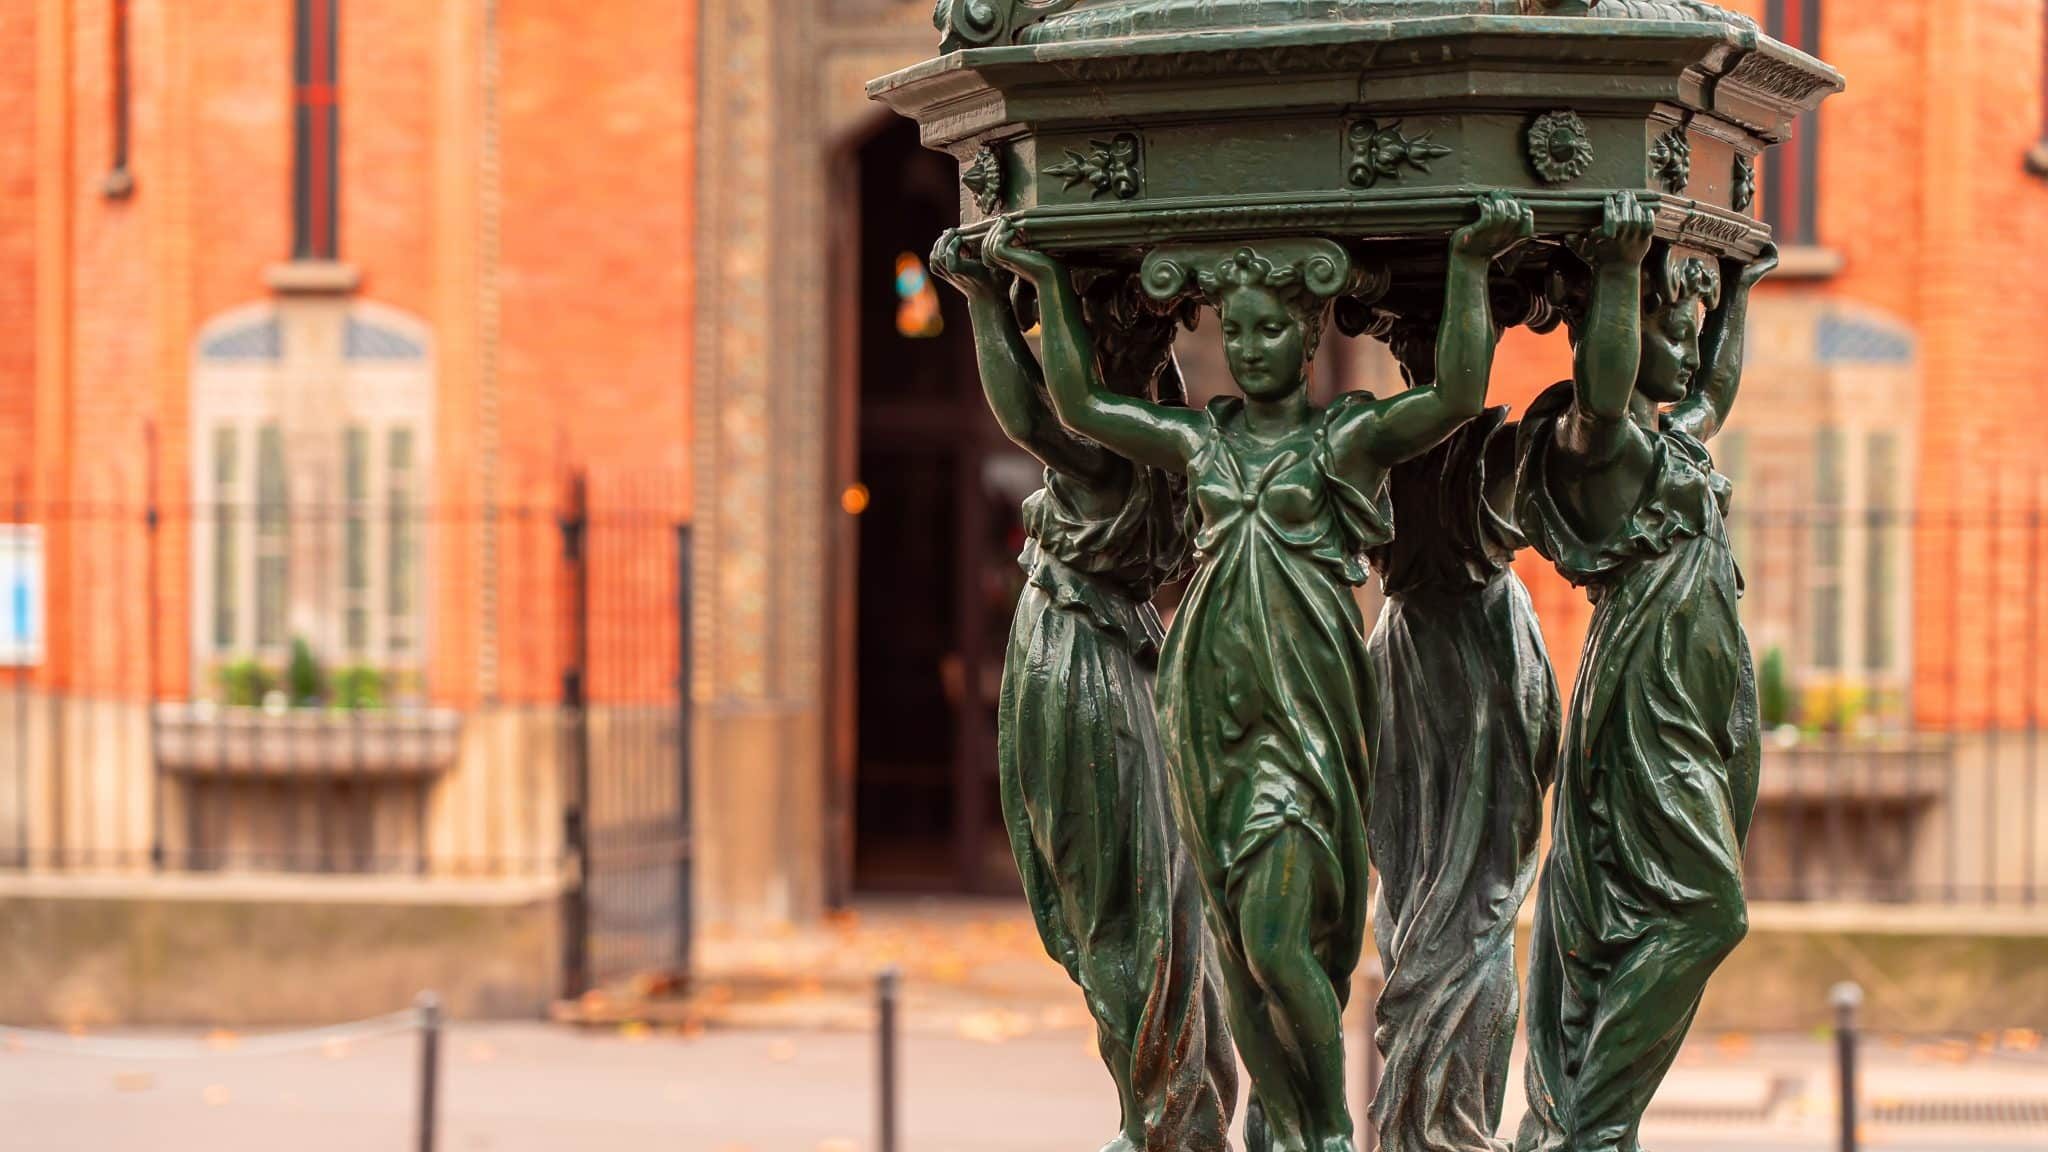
point(589, 269)
point(17, 252)
point(1924, 197)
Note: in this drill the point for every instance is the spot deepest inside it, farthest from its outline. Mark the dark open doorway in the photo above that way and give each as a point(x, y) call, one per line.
point(928, 561)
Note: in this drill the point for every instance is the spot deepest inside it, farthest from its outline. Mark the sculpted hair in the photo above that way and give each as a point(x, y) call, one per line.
point(1247, 270)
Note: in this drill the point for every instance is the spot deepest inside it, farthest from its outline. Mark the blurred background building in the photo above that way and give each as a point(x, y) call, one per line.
point(401, 403)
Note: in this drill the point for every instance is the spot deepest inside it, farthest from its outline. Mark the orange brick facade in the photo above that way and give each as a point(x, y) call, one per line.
point(1925, 199)
point(516, 178)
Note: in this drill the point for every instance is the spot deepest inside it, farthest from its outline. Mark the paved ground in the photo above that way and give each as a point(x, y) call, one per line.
point(538, 1088)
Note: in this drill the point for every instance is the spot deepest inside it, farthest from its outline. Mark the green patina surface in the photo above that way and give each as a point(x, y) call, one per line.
point(1427, 172)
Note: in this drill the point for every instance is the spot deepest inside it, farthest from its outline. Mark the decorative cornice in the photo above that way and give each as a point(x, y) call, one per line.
point(1782, 78)
point(1389, 212)
point(1714, 230)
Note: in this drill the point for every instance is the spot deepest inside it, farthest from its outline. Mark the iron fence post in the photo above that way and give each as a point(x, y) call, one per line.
point(887, 989)
point(576, 978)
point(428, 1006)
point(1848, 1001)
point(151, 520)
point(686, 863)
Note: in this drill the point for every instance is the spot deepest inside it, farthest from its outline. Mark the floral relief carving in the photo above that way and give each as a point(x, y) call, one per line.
point(1559, 148)
point(1113, 166)
point(1742, 193)
point(1671, 160)
point(983, 179)
point(1380, 153)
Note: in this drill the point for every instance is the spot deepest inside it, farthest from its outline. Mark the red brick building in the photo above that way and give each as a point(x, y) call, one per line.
point(330, 255)
point(310, 312)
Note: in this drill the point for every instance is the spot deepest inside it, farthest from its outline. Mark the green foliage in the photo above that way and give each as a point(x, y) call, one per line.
point(305, 682)
point(1774, 690)
point(244, 683)
point(358, 687)
point(1835, 707)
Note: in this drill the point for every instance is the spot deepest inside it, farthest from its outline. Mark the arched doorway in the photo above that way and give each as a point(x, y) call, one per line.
point(926, 571)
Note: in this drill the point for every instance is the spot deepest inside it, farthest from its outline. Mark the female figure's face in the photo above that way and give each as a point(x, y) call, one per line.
point(1264, 343)
point(1671, 353)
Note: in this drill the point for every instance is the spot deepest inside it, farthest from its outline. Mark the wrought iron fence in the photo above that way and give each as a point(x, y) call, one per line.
point(242, 686)
point(1900, 672)
point(281, 686)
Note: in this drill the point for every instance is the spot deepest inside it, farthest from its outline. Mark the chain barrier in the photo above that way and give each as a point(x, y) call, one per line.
point(422, 1019)
point(214, 1045)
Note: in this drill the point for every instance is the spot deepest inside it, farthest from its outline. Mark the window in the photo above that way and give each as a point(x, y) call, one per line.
point(225, 570)
point(1791, 180)
point(273, 539)
point(402, 549)
point(316, 128)
point(2037, 160)
point(1731, 459)
point(119, 181)
point(1879, 545)
point(355, 579)
point(1826, 586)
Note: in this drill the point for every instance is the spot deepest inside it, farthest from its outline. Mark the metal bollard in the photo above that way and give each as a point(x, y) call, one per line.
point(1847, 998)
point(429, 1007)
point(887, 989)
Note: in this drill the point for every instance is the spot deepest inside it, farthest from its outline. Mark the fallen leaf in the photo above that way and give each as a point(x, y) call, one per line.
point(634, 1031)
point(216, 1095)
point(133, 1081)
point(221, 1039)
point(2022, 1040)
point(782, 1051)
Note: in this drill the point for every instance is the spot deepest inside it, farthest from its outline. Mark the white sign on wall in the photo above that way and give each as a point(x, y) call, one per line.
point(21, 595)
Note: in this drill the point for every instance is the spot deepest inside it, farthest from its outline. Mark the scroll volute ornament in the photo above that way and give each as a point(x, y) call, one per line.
point(984, 23)
point(1314, 269)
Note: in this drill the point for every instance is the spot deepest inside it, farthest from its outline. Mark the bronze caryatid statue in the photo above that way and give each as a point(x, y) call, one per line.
point(1642, 892)
point(1265, 687)
point(1079, 762)
point(1196, 841)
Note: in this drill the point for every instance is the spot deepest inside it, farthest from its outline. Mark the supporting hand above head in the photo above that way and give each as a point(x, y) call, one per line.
point(952, 263)
point(1609, 351)
point(1623, 235)
point(1744, 275)
point(1503, 223)
point(1006, 248)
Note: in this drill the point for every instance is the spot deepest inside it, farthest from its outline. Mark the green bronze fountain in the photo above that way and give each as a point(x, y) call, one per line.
point(1196, 808)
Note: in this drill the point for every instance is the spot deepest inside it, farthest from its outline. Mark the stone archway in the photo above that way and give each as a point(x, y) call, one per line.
point(783, 83)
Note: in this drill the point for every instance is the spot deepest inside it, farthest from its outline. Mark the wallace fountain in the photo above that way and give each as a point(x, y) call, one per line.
point(1198, 808)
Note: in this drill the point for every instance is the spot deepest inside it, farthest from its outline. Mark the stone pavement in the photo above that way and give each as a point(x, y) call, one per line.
point(542, 1088)
point(774, 1052)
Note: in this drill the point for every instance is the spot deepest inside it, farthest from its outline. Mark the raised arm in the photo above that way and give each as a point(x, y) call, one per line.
point(1610, 351)
point(1150, 434)
point(1010, 376)
point(1405, 426)
point(1706, 406)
